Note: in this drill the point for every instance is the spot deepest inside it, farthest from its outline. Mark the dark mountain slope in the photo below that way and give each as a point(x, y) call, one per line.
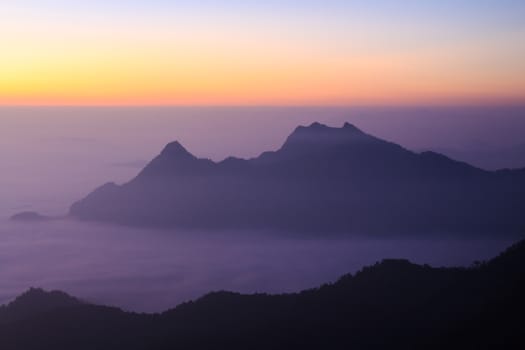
point(394, 304)
point(322, 179)
point(33, 302)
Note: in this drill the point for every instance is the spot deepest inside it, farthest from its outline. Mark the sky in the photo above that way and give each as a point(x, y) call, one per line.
point(287, 52)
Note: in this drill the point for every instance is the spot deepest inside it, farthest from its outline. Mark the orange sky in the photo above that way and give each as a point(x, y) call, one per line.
point(69, 58)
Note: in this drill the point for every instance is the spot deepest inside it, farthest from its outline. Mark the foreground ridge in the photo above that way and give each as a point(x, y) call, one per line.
point(394, 304)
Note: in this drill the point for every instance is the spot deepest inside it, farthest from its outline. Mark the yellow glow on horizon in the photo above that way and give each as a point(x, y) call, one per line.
point(162, 66)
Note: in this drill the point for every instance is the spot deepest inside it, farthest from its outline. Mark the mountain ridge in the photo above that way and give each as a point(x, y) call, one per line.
point(392, 304)
point(33, 302)
point(322, 179)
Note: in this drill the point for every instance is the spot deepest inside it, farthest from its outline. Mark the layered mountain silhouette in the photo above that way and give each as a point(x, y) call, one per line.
point(323, 179)
point(393, 304)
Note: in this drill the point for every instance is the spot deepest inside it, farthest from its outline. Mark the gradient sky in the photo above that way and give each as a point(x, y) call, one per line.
point(261, 52)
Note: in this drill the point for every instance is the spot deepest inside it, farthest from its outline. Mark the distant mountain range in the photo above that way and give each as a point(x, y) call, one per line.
point(322, 180)
point(391, 305)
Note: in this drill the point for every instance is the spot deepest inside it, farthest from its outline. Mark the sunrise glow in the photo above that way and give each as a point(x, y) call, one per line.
point(337, 52)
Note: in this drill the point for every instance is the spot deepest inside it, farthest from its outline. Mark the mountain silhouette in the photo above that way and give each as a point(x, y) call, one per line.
point(322, 180)
point(34, 302)
point(29, 216)
point(393, 304)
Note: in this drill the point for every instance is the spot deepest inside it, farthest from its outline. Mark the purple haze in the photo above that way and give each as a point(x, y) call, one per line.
point(152, 270)
point(51, 157)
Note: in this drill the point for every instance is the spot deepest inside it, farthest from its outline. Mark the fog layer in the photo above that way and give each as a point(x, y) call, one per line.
point(51, 157)
point(154, 270)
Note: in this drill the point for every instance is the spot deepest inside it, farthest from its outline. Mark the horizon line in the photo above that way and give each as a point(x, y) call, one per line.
point(335, 105)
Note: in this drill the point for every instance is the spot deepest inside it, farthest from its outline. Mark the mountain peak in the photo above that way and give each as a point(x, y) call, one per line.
point(317, 134)
point(175, 149)
point(175, 160)
point(317, 125)
point(35, 301)
point(350, 127)
point(38, 295)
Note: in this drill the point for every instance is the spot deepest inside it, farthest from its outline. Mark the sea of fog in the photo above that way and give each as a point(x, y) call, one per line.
point(50, 157)
point(152, 270)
